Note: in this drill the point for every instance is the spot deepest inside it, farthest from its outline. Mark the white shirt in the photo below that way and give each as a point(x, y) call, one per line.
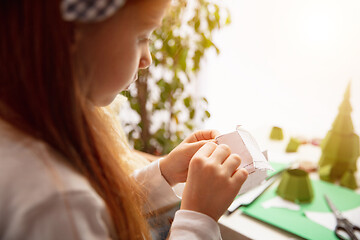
point(43, 198)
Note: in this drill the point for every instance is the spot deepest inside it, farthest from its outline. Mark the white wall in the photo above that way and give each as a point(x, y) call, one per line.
point(284, 63)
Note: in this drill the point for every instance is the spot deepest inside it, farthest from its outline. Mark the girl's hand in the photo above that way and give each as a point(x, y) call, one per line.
point(213, 180)
point(174, 166)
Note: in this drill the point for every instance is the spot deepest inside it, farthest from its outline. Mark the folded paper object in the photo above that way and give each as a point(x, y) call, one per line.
point(252, 159)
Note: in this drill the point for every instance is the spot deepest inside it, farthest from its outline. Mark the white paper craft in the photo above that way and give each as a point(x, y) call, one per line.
point(252, 159)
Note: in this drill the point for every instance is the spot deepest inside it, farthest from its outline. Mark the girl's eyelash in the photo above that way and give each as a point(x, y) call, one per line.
point(145, 39)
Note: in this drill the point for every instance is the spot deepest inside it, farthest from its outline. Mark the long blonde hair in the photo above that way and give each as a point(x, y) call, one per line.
point(40, 96)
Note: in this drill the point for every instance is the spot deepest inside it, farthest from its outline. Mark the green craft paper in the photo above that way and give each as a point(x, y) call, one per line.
point(295, 221)
point(276, 134)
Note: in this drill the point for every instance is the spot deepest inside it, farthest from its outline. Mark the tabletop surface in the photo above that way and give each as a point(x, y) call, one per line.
point(240, 226)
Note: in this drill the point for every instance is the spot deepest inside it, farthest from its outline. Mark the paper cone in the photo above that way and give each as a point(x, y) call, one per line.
point(295, 186)
point(276, 134)
point(293, 145)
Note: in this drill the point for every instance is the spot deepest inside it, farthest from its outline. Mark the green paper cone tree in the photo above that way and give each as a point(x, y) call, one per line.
point(340, 148)
point(293, 145)
point(348, 180)
point(276, 133)
point(295, 186)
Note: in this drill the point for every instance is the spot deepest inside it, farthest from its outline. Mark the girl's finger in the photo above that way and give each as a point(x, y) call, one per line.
point(232, 163)
point(240, 176)
point(206, 150)
point(202, 135)
point(221, 152)
point(192, 148)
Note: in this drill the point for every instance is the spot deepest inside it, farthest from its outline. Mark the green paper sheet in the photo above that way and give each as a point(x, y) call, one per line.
point(295, 221)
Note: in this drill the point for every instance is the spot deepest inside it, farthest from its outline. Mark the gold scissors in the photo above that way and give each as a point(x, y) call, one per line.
point(343, 226)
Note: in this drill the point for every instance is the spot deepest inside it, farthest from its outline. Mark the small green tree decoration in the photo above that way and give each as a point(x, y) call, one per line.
point(276, 133)
point(163, 92)
point(340, 148)
point(293, 145)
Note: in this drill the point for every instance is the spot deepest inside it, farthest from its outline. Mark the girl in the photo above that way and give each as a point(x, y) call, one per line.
point(63, 170)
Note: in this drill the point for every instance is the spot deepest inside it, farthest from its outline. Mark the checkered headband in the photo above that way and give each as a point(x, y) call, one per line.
point(89, 10)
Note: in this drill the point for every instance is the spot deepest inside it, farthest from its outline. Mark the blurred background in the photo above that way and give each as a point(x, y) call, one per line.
point(284, 63)
point(258, 63)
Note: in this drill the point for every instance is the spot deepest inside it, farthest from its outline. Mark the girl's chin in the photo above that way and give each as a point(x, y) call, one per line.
point(130, 84)
point(105, 101)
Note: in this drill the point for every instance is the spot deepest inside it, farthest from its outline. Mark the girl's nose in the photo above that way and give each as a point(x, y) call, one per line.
point(145, 60)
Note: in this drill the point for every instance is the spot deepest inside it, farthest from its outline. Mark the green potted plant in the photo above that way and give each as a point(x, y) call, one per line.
point(162, 97)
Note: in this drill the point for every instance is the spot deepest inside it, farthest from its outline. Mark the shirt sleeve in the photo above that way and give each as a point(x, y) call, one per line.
point(72, 215)
point(194, 225)
point(186, 224)
point(159, 193)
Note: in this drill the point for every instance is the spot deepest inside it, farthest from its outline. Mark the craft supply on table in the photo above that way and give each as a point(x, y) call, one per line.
point(250, 196)
point(344, 229)
point(295, 221)
point(253, 160)
point(295, 186)
point(340, 148)
point(293, 145)
point(276, 133)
